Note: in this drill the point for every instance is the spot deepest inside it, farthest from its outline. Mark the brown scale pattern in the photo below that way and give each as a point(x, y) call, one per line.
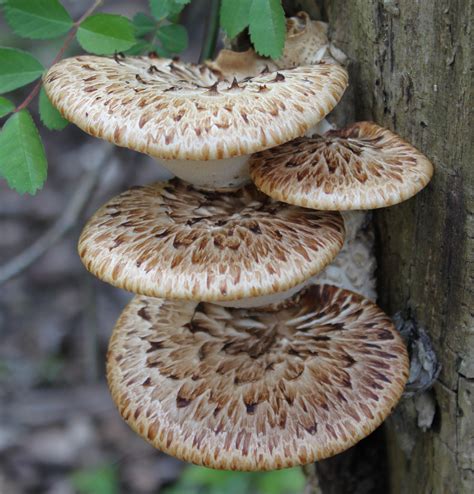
point(304, 39)
point(246, 389)
point(173, 241)
point(363, 166)
point(173, 110)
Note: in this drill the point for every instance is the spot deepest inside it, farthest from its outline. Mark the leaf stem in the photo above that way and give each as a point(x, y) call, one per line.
point(212, 30)
point(61, 52)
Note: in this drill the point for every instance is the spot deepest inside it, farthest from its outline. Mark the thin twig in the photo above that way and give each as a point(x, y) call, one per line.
point(61, 226)
point(212, 31)
point(61, 52)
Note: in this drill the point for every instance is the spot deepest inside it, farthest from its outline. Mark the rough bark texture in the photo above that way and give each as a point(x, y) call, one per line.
point(411, 70)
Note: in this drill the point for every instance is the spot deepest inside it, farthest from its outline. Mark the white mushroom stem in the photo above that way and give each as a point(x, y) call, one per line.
point(274, 298)
point(211, 174)
point(320, 128)
point(226, 173)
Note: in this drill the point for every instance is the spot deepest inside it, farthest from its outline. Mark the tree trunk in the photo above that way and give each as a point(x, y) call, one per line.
point(411, 71)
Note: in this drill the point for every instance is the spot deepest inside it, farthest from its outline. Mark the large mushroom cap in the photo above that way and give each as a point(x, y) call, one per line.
point(173, 110)
point(255, 390)
point(173, 241)
point(363, 166)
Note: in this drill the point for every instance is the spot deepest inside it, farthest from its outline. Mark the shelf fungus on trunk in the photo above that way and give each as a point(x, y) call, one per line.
point(198, 123)
point(256, 389)
point(238, 247)
point(226, 358)
point(362, 166)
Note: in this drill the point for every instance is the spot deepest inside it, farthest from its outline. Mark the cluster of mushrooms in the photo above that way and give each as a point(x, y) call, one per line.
point(229, 355)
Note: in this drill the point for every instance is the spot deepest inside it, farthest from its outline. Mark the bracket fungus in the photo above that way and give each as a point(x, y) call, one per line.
point(251, 389)
point(199, 124)
point(225, 357)
point(362, 166)
point(240, 247)
point(307, 43)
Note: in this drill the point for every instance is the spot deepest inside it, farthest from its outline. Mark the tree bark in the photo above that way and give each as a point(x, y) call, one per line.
point(411, 70)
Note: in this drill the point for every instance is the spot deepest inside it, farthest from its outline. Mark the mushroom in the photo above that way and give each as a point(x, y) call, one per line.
point(200, 126)
point(363, 166)
point(256, 389)
point(240, 64)
point(307, 43)
point(170, 240)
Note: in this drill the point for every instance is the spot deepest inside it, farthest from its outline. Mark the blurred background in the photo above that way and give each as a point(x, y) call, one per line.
point(59, 430)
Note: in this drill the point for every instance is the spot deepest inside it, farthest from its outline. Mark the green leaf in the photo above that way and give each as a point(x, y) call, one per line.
point(267, 27)
point(161, 52)
point(166, 8)
point(235, 16)
point(49, 115)
point(22, 158)
point(174, 37)
point(38, 19)
point(17, 68)
point(6, 107)
point(104, 34)
point(139, 48)
point(288, 481)
point(160, 8)
point(102, 480)
point(143, 24)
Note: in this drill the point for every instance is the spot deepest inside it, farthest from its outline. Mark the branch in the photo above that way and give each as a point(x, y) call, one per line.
point(58, 57)
point(61, 226)
point(212, 30)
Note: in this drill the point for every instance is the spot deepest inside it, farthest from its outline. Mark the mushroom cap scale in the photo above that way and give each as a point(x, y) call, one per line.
point(256, 390)
point(173, 110)
point(170, 240)
point(363, 166)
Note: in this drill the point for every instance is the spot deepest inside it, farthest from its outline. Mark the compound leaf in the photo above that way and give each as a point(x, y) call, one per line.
point(167, 8)
point(6, 107)
point(104, 34)
point(49, 115)
point(235, 16)
point(173, 37)
point(17, 68)
point(144, 24)
point(38, 19)
point(22, 158)
point(267, 27)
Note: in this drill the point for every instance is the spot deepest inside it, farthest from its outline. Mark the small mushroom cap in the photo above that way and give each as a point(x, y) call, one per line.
point(252, 389)
point(240, 64)
point(363, 166)
point(173, 241)
point(173, 110)
point(306, 41)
